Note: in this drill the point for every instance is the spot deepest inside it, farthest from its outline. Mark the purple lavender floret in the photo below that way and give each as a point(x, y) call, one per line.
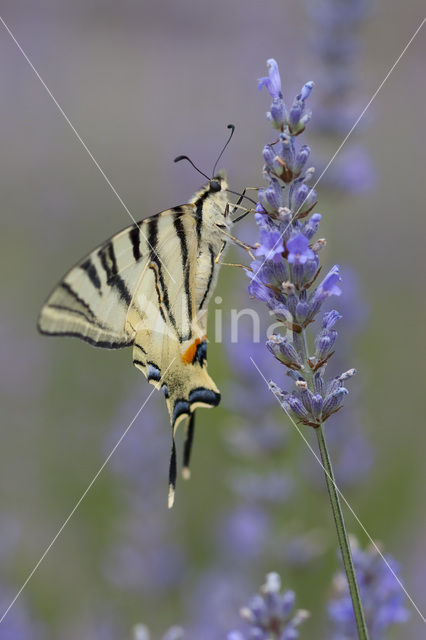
point(285, 273)
point(381, 594)
point(270, 615)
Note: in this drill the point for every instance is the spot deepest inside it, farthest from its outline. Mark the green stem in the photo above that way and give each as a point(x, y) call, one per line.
point(342, 535)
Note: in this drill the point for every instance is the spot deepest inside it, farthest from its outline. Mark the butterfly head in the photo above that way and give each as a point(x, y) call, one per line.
point(214, 194)
point(218, 183)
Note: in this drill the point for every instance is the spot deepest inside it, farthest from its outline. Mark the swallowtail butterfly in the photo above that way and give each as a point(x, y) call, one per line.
point(148, 287)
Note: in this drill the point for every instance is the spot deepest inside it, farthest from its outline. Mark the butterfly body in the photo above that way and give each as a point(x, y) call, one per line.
point(149, 287)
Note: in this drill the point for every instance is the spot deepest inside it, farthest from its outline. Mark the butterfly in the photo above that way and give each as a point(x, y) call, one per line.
point(148, 287)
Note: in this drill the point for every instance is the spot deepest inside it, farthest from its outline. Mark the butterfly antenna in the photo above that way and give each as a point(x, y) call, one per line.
point(179, 158)
point(230, 126)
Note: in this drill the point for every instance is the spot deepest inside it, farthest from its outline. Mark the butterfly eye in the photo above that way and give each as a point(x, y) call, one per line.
point(215, 185)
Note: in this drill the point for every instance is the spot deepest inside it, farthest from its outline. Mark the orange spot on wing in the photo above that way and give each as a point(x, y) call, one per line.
point(189, 355)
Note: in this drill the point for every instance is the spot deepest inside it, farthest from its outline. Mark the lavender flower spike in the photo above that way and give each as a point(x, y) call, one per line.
point(271, 615)
point(287, 247)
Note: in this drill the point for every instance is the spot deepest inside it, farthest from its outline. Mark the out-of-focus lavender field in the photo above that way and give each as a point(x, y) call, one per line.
point(143, 82)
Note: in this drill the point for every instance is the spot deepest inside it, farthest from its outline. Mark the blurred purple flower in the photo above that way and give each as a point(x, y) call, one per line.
point(337, 46)
point(270, 614)
point(382, 597)
point(18, 623)
point(243, 533)
point(142, 556)
point(213, 605)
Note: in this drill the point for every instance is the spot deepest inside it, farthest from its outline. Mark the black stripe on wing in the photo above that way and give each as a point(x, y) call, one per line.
point(210, 280)
point(155, 260)
point(103, 344)
point(92, 273)
point(180, 230)
point(109, 262)
point(134, 237)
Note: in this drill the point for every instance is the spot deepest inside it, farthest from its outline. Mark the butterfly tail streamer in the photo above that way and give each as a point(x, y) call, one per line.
point(172, 474)
point(187, 448)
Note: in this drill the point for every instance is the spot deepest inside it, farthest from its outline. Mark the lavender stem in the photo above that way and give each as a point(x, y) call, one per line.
point(342, 535)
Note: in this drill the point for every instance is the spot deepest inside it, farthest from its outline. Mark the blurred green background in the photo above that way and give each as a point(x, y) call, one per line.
point(143, 82)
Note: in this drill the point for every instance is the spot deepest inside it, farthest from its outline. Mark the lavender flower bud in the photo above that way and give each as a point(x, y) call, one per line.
point(330, 318)
point(284, 351)
point(277, 113)
point(272, 197)
point(305, 395)
point(287, 154)
point(311, 267)
point(297, 407)
point(317, 404)
point(270, 158)
point(301, 159)
point(324, 343)
point(306, 90)
point(294, 115)
point(302, 310)
point(334, 401)
point(280, 310)
point(318, 383)
point(259, 290)
point(302, 199)
point(311, 226)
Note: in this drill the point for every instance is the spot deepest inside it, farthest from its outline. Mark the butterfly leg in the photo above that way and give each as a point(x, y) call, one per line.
point(190, 429)
point(216, 260)
point(239, 201)
point(234, 264)
point(172, 474)
point(240, 243)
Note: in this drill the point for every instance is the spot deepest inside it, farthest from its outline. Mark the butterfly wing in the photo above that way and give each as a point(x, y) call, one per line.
point(141, 287)
point(170, 341)
point(92, 300)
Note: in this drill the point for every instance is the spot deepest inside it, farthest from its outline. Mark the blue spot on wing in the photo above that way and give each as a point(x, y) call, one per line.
point(181, 406)
point(208, 396)
point(153, 372)
point(201, 352)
